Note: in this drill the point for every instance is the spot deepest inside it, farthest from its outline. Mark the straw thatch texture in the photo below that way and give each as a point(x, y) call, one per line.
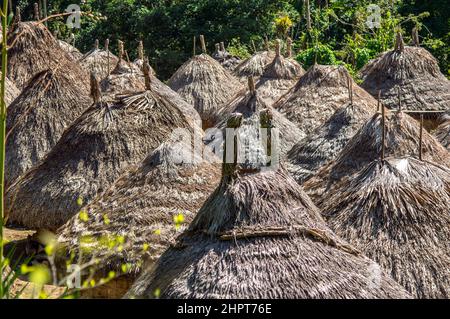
point(11, 91)
point(74, 52)
point(278, 78)
point(260, 236)
point(402, 138)
point(318, 94)
point(254, 66)
point(397, 212)
point(324, 144)
point(169, 182)
point(96, 61)
point(33, 49)
point(90, 155)
point(36, 120)
point(443, 134)
point(205, 84)
point(416, 72)
point(249, 104)
point(125, 78)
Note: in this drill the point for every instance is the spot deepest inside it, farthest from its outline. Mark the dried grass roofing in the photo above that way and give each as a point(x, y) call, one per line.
point(99, 61)
point(36, 120)
point(91, 154)
point(145, 199)
point(205, 84)
point(402, 138)
point(396, 211)
point(318, 94)
point(74, 52)
point(11, 91)
point(443, 134)
point(325, 143)
point(254, 66)
point(415, 72)
point(33, 49)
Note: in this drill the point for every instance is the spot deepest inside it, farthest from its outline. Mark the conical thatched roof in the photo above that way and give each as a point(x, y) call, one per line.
point(318, 94)
point(415, 72)
point(402, 138)
point(255, 65)
point(443, 133)
point(396, 211)
point(141, 205)
point(11, 91)
point(279, 77)
point(250, 104)
point(324, 144)
point(36, 120)
point(74, 52)
point(204, 83)
point(260, 236)
point(33, 49)
point(92, 153)
point(101, 62)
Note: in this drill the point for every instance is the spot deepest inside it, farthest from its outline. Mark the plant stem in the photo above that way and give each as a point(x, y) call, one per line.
point(3, 133)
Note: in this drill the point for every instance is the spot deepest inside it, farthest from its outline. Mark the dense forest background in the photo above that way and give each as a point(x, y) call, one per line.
point(329, 31)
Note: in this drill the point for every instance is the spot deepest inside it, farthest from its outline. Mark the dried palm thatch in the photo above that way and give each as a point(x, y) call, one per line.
point(101, 62)
point(413, 71)
point(255, 65)
point(36, 120)
point(205, 84)
point(11, 91)
point(140, 207)
point(73, 51)
point(401, 138)
point(33, 49)
point(443, 132)
point(318, 94)
point(324, 144)
point(91, 154)
point(279, 77)
point(260, 236)
point(250, 104)
point(396, 211)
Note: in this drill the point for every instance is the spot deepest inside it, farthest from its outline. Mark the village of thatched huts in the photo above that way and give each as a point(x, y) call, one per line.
point(141, 207)
point(412, 74)
point(401, 138)
point(260, 236)
point(278, 77)
point(108, 137)
point(205, 84)
point(318, 94)
point(100, 62)
point(396, 212)
point(36, 120)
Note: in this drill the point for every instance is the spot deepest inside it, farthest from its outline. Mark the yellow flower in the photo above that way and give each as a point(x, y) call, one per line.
point(79, 201)
point(157, 292)
point(106, 219)
point(145, 247)
point(84, 216)
point(40, 275)
point(111, 275)
point(158, 232)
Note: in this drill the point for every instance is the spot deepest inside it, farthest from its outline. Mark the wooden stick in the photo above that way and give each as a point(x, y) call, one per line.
point(399, 100)
point(121, 49)
point(289, 47)
point(308, 15)
point(399, 43)
point(146, 70)
point(108, 57)
point(96, 44)
point(36, 12)
point(421, 137)
point(202, 43)
point(379, 101)
point(350, 88)
point(278, 47)
point(195, 38)
point(222, 46)
point(251, 85)
point(253, 46)
point(95, 88)
point(141, 50)
point(383, 136)
point(415, 37)
point(266, 43)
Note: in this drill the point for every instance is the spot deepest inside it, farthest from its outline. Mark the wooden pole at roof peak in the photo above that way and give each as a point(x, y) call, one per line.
point(383, 132)
point(36, 12)
point(251, 85)
point(379, 101)
point(421, 137)
point(203, 43)
point(194, 45)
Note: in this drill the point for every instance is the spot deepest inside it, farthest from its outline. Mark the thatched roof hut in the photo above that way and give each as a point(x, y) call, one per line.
point(396, 212)
point(401, 138)
point(318, 94)
point(278, 77)
point(36, 120)
point(101, 62)
point(93, 152)
point(141, 206)
point(222, 56)
point(33, 49)
point(443, 132)
point(325, 142)
point(260, 236)
point(249, 103)
point(205, 84)
point(73, 51)
point(11, 91)
point(254, 66)
point(411, 72)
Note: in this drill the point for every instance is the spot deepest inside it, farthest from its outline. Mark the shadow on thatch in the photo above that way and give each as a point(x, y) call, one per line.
point(260, 236)
point(107, 138)
point(36, 120)
point(33, 49)
point(413, 71)
point(141, 206)
point(402, 138)
point(318, 94)
point(205, 84)
point(397, 212)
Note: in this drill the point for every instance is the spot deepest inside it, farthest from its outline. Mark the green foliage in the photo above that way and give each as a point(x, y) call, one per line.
point(322, 54)
point(236, 48)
